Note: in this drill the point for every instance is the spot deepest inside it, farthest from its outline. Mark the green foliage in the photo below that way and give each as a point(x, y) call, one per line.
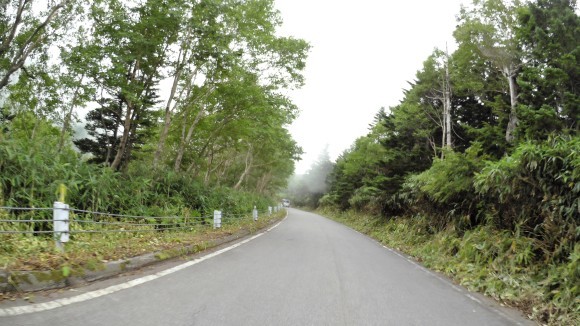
point(30, 165)
point(502, 264)
point(503, 201)
point(445, 192)
point(224, 123)
point(28, 31)
point(538, 188)
point(32, 169)
point(550, 36)
point(372, 171)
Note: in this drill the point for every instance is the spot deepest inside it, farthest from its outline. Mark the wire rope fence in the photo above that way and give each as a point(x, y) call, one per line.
point(68, 221)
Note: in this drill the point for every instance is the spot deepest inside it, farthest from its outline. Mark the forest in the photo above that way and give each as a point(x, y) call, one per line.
point(178, 107)
point(146, 107)
point(476, 171)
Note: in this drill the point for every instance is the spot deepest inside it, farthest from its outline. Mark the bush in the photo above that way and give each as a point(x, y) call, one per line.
point(445, 192)
point(32, 168)
point(499, 263)
point(537, 188)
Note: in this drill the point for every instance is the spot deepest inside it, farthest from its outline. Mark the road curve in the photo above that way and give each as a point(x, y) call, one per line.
point(307, 271)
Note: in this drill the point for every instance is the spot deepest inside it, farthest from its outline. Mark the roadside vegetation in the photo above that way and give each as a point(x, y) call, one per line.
point(476, 172)
point(498, 263)
point(88, 251)
point(159, 109)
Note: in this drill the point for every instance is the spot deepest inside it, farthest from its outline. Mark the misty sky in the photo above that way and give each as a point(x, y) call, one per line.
point(363, 54)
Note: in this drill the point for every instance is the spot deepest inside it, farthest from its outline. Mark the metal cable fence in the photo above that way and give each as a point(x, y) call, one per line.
point(67, 221)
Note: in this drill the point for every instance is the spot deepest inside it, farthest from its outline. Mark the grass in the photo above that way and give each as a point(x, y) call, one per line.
point(500, 264)
point(90, 250)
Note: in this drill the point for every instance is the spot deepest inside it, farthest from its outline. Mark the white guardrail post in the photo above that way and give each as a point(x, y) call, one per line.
point(255, 213)
point(60, 225)
point(217, 219)
point(269, 210)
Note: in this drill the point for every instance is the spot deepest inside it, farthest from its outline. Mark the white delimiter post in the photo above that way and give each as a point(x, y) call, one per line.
point(60, 224)
point(217, 219)
point(255, 213)
point(269, 210)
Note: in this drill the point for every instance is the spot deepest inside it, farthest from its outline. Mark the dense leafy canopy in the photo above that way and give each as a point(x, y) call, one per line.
point(511, 169)
point(158, 95)
point(513, 160)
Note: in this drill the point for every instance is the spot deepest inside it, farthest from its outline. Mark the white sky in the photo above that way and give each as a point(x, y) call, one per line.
point(363, 53)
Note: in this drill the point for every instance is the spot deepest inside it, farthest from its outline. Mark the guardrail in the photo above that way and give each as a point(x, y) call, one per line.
point(85, 221)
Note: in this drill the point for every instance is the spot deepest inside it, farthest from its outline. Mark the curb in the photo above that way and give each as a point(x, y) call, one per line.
point(30, 281)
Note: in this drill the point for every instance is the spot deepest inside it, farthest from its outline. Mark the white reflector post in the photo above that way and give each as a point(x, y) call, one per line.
point(60, 224)
point(217, 219)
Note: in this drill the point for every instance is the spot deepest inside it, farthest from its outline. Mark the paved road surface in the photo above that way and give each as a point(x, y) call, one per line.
point(307, 271)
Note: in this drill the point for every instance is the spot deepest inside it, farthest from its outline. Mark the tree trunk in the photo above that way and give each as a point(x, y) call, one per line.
point(447, 143)
point(220, 176)
point(186, 139)
point(208, 171)
point(246, 169)
point(263, 182)
point(68, 117)
point(124, 139)
point(513, 118)
point(166, 125)
point(168, 111)
point(111, 145)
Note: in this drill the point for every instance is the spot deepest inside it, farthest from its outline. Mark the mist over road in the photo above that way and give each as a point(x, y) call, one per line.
point(307, 271)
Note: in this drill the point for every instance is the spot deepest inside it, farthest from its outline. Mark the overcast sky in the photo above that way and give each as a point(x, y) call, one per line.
point(363, 54)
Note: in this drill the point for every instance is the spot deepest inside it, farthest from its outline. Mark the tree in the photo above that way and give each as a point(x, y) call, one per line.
point(307, 189)
point(134, 39)
point(219, 39)
point(491, 25)
point(433, 92)
point(550, 39)
point(25, 32)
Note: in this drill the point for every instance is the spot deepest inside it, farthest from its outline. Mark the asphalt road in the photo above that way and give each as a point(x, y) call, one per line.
point(307, 271)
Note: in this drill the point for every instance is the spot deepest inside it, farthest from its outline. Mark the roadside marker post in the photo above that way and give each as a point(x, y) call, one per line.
point(60, 224)
point(217, 219)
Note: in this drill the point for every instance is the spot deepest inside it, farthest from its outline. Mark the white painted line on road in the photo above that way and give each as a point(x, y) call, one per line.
point(473, 298)
point(13, 311)
point(437, 276)
point(453, 286)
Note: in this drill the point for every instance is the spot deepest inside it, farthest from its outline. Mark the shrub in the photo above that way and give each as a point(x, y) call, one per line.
point(445, 192)
point(538, 189)
point(32, 168)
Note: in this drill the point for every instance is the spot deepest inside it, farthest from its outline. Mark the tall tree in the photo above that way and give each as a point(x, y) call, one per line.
point(224, 36)
point(433, 93)
point(550, 91)
point(491, 25)
point(134, 39)
point(25, 30)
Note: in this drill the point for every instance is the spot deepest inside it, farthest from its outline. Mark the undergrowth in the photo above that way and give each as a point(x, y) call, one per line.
point(501, 264)
point(28, 252)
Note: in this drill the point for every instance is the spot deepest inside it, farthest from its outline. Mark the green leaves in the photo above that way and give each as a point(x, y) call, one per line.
point(25, 32)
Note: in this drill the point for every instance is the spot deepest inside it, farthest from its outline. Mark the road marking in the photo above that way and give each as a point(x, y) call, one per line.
point(473, 298)
point(447, 282)
point(451, 284)
point(38, 307)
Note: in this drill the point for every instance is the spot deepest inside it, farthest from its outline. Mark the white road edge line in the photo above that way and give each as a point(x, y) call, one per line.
point(449, 283)
point(21, 310)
